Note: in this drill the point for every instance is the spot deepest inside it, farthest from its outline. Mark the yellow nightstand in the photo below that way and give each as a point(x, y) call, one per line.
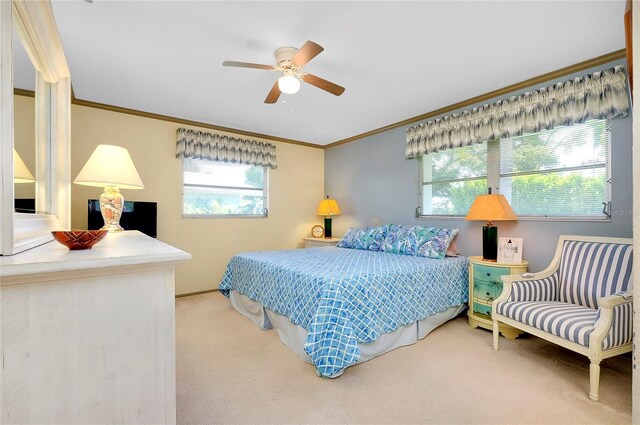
point(485, 285)
point(316, 242)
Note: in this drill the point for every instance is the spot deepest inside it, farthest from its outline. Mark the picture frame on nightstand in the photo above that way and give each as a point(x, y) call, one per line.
point(509, 250)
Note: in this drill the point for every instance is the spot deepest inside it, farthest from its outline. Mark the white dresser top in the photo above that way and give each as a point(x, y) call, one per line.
point(116, 249)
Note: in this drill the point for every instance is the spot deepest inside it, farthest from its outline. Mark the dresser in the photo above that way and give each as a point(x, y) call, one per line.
point(89, 336)
point(485, 285)
point(316, 242)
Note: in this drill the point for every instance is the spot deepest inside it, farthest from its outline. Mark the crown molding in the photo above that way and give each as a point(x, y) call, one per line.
point(23, 92)
point(112, 108)
point(581, 66)
point(540, 79)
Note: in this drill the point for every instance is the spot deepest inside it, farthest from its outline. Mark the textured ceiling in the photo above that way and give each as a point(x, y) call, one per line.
point(396, 59)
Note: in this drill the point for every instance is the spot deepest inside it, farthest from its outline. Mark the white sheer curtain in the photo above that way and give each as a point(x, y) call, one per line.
point(218, 147)
point(600, 95)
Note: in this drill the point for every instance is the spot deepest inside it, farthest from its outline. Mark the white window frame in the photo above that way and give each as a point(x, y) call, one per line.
point(265, 191)
point(493, 183)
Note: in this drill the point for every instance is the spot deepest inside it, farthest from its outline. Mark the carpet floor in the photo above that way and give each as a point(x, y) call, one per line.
point(231, 372)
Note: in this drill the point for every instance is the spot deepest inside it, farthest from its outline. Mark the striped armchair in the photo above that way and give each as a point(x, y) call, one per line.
point(582, 301)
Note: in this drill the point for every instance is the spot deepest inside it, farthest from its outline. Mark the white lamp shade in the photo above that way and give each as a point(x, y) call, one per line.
point(110, 165)
point(288, 84)
point(21, 173)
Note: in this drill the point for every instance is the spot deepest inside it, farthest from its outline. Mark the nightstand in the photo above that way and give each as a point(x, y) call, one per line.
point(485, 285)
point(316, 242)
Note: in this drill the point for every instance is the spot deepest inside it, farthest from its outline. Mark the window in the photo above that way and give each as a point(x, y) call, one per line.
point(562, 173)
point(213, 188)
point(559, 172)
point(452, 178)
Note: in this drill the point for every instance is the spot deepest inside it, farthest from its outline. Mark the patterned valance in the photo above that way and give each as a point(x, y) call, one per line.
point(600, 95)
point(218, 147)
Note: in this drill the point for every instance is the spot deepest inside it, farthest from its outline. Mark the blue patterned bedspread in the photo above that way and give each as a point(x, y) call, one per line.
point(347, 296)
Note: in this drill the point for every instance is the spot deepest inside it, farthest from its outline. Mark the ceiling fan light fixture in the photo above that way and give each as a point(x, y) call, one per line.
point(290, 62)
point(289, 84)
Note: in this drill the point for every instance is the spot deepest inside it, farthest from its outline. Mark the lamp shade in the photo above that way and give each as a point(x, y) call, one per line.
point(110, 165)
point(493, 207)
point(21, 173)
point(328, 207)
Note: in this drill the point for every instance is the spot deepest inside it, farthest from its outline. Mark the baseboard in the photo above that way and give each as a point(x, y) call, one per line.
point(197, 293)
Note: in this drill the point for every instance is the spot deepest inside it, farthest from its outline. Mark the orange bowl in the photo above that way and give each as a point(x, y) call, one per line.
point(79, 239)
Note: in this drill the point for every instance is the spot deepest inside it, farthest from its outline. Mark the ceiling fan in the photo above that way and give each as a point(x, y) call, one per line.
point(290, 62)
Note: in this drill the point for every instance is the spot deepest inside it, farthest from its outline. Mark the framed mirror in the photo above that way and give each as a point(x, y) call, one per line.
point(34, 24)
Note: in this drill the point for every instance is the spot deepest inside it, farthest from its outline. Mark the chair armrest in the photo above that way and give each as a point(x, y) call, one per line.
point(539, 287)
point(507, 282)
point(616, 299)
point(506, 291)
point(534, 276)
point(613, 325)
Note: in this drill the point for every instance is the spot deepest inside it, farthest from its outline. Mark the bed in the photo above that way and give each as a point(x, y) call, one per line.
point(336, 307)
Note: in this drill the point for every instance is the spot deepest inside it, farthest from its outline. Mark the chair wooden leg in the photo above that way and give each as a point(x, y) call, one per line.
point(594, 379)
point(496, 334)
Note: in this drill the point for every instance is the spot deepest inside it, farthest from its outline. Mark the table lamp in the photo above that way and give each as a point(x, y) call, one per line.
point(110, 167)
point(327, 208)
point(491, 207)
point(21, 173)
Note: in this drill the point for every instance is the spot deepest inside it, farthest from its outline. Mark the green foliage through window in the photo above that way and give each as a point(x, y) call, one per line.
point(218, 188)
point(452, 179)
point(560, 172)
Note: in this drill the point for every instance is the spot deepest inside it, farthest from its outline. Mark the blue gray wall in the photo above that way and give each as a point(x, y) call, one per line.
point(374, 184)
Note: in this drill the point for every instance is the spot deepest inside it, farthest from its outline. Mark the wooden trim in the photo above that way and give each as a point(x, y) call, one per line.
point(23, 92)
point(112, 108)
point(600, 60)
point(197, 293)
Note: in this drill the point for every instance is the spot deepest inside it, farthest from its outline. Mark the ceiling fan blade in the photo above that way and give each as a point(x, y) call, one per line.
point(307, 52)
point(274, 94)
point(248, 65)
point(323, 84)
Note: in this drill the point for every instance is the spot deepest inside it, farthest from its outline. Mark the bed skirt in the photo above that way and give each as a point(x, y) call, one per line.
point(294, 336)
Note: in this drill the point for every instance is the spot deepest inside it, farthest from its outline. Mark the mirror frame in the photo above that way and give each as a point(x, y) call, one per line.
point(35, 24)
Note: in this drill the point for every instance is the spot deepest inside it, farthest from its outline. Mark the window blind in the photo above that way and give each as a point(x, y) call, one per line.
point(559, 172)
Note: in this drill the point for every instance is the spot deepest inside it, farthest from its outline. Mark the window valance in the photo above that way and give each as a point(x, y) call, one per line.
point(600, 95)
point(218, 147)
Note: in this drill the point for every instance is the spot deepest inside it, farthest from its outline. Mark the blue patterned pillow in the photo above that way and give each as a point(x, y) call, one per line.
point(422, 241)
point(435, 242)
point(368, 238)
point(397, 240)
point(349, 239)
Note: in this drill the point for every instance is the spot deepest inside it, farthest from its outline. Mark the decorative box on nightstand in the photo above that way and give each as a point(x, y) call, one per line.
point(485, 285)
point(316, 242)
